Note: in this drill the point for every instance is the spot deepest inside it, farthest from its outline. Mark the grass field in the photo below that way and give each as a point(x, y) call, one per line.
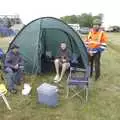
point(104, 97)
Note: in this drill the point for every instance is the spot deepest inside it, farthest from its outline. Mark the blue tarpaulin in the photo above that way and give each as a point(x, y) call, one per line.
point(4, 31)
point(1, 53)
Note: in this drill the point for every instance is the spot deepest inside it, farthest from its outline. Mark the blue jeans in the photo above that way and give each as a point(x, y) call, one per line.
point(13, 78)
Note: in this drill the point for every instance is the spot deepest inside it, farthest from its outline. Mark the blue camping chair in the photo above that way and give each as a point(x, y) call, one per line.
point(78, 81)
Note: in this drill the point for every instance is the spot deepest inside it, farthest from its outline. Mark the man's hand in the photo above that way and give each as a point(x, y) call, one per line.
point(63, 60)
point(90, 53)
point(16, 66)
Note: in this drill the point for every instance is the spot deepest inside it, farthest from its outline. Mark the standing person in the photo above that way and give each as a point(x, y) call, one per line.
point(62, 60)
point(13, 68)
point(96, 44)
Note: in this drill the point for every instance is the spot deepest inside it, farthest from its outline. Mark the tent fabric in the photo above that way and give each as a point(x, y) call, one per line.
point(43, 36)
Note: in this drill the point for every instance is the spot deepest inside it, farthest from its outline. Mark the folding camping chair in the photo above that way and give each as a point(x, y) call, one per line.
point(3, 91)
point(78, 81)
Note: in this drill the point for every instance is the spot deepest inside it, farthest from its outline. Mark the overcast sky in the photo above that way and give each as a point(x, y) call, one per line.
point(32, 9)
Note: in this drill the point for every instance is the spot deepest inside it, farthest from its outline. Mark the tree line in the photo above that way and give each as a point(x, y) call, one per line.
point(8, 22)
point(84, 20)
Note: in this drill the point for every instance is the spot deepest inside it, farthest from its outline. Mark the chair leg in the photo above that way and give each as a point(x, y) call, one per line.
point(76, 94)
point(86, 94)
point(67, 92)
point(67, 88)
point(6, 102)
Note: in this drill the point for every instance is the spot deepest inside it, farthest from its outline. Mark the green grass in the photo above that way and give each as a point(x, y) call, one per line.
point(4, 42)
point(104, 97)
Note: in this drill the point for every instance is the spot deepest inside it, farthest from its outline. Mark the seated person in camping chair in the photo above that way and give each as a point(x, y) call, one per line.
point(63, 60)
point(13, 68)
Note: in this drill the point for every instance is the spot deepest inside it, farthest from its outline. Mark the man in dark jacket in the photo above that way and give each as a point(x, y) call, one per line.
point(63, 60)
point(13, 67)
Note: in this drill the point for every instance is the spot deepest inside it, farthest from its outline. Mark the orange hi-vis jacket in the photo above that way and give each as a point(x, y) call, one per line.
point(96, 39)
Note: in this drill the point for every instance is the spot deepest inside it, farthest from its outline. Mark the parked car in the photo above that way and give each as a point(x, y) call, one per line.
point(109, 29)
point(84, 30)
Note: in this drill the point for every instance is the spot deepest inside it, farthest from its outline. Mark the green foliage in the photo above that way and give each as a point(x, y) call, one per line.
point(70, 19)
point(85, 20)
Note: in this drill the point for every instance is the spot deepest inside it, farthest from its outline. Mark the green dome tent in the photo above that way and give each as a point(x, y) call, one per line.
point(42, 37)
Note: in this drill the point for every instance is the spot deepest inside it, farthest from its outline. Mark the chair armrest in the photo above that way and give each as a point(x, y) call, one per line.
point(77, 69)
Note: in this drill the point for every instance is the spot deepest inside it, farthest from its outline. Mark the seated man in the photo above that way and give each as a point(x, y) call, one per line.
point(63, 60)
point(13, 68)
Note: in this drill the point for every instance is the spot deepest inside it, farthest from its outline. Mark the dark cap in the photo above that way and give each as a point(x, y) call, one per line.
point(14, 46)
point(63, 42)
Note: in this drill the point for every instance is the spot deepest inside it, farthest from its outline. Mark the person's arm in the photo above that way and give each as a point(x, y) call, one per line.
point(103, 42)
point(21, 61)
point(8, 61)
point(58, 54)
point(95, 50)
point(67, 56)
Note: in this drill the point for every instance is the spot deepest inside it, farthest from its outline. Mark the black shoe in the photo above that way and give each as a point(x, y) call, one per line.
point(13, 91)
